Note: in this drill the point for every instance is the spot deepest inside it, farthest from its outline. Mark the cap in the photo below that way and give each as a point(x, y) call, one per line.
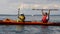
point(21, 13)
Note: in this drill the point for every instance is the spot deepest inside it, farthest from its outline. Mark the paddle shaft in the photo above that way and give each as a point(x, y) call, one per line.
point(18, 12)
point(47, 9)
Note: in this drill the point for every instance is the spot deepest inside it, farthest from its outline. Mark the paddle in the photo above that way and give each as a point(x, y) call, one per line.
point(47, 9)
point(18, 12)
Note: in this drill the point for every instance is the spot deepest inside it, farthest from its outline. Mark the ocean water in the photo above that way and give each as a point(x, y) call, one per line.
point(30, 29)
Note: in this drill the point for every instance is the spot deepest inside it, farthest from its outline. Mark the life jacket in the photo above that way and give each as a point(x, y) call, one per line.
point(44, 18)
point(21, 18)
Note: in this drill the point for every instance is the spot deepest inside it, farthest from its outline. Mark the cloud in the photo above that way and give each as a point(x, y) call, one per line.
point(56, 6)
point(7, 8)
point(40, 6)
point(11, 6)
point(41, 3)
point(27, 6)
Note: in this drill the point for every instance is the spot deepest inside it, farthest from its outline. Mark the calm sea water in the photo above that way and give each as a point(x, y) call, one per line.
point(30, 29)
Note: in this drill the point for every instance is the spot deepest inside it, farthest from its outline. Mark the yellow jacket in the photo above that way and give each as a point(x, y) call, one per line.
point(21, 19)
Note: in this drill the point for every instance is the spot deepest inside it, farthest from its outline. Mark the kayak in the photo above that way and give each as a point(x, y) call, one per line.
point(13, 22)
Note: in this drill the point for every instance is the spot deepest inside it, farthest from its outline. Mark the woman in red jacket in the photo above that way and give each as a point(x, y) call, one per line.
point(45, 16)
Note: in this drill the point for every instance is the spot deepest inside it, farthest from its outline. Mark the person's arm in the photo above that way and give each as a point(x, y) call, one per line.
point(49, 12)
point(42, 12)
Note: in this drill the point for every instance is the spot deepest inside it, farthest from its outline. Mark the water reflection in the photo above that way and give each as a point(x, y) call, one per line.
point(29, 29)
point(44, 29)
point(11, 29)
point(19, 27)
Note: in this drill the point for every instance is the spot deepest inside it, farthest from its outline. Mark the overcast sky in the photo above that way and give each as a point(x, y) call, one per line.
point(11, 6)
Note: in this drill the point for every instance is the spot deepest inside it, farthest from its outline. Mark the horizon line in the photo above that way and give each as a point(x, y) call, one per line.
point(25, 15)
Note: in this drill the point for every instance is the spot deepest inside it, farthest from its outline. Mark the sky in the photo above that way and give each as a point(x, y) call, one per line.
point(26, 6)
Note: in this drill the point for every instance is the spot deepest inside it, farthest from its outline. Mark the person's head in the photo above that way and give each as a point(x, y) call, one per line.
point(22, 14)
point(45, 13)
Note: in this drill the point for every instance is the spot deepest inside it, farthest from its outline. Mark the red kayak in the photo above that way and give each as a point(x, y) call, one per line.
point(13, 22)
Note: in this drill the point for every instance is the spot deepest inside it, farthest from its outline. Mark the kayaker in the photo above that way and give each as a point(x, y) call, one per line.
point(21, 18)
point(45, 16)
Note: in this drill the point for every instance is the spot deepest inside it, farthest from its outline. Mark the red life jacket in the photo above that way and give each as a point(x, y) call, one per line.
point(44, 17)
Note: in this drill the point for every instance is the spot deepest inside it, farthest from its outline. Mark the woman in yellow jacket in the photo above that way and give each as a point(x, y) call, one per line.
point(21, 18)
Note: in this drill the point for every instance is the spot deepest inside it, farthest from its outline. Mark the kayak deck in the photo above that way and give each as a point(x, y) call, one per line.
point(29, 23)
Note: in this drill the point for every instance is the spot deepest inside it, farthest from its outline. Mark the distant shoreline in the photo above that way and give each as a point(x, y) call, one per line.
point(25, 15)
